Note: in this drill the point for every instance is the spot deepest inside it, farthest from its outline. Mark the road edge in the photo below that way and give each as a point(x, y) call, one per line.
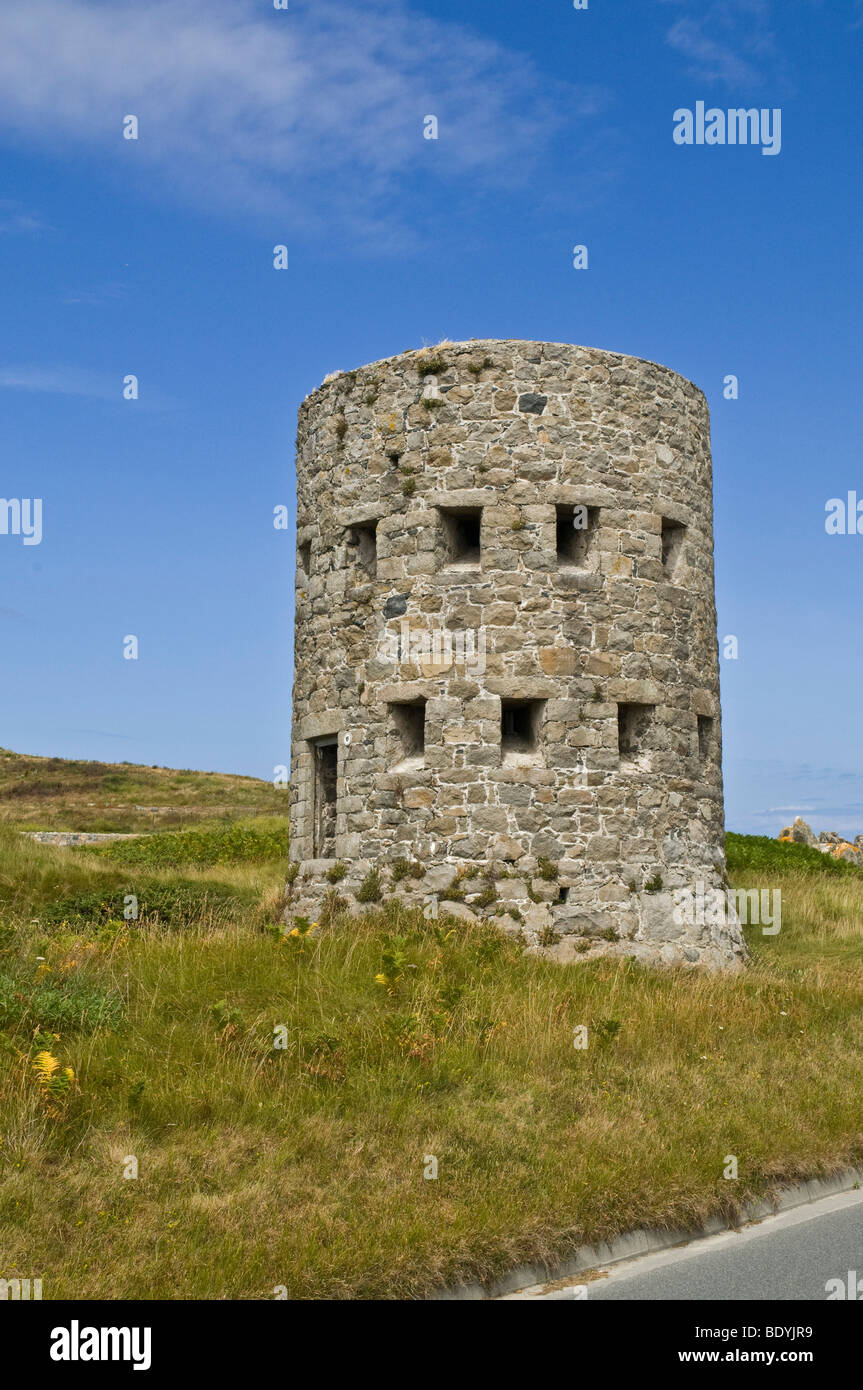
point(647, 1241)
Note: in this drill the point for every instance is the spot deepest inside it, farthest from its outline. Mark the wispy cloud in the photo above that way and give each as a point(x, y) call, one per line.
point(729, 42)
point(96, 296)
point(15, 218)
point(103, 733)
point(313, 112)
point(80, 381)
point(60, 381)
point(829, 798)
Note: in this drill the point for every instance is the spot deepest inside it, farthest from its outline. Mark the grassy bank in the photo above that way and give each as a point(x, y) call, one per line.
point(63, 794)
point(302, 1165)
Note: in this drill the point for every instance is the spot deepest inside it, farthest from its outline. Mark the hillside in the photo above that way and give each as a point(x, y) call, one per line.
point(63, 794)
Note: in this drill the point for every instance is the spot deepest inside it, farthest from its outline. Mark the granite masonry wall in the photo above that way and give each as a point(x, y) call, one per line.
point(506, 699)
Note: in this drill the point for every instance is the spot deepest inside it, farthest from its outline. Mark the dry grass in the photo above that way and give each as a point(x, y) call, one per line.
point(303, 1166)
point(62, 794)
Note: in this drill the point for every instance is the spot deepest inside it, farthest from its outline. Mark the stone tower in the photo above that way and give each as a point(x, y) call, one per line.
point(506, 698)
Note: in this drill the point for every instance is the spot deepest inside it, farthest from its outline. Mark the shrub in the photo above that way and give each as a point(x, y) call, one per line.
point(159, 904)
point(406, 868)
point(72, 1006)
point(608, 1028)
point(228, 1020)
point(759, 854)
point(477, 368)
point(332, 907)
point(244, 842)
point(431, 366)
point(370, 890)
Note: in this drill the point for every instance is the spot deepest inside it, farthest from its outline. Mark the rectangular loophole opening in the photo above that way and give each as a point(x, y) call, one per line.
point(364, 537)
point(520, 731)
point(705, 737)
point(634, 723)
point(305, 556)
point(407, 732)
point(576, 532)
point(325, 753)
point(673, 533)
point(461, 534)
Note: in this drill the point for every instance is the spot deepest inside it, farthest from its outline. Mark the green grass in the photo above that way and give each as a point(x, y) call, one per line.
point(748, 854)
point(244, 842)
point(65, 794)
point(71, 1005)
point(303, 1165)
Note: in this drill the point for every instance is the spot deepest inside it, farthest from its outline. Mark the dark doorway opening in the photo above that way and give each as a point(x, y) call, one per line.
point(325, 752)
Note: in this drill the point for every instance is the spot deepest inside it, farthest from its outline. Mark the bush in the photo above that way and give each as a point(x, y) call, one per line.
point(759, 854)
point(406, 868)
point(245, 842)
point(73, 1006)
point(431, 366)
point(158, 905)
point(370, 890)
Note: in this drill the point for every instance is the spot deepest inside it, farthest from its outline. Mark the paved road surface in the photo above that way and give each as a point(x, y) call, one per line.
point(789, 1256)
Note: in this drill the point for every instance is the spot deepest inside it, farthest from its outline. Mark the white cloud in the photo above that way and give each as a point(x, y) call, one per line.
point(63, 380)
point(58, 381)
point(315, 112)
point(709, 59)
point(727, 41)
point(97, 296)
point(15, 218)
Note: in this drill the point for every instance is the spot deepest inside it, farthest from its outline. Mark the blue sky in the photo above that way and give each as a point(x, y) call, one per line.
point(305, 127)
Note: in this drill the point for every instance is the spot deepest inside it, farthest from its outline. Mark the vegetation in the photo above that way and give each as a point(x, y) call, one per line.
point(757, 854)
point(370, 890)
point(431, 366)
point(281, 1090)
point(248, 842)
point(477, 368)
point(62, 794)
point(406, 868)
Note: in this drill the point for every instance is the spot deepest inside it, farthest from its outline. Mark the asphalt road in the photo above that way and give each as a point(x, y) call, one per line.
point(790, 1256)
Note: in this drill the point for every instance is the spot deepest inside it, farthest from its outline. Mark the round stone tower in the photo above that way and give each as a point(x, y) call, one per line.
point(506, 699)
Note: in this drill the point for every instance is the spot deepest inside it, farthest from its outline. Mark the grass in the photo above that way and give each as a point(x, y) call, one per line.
point(748, 854)
point(262, 1164)
point(62, 794)
point(250, 842)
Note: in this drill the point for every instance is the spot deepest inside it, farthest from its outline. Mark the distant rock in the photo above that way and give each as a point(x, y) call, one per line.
point(799, 834)
point(828, 842)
